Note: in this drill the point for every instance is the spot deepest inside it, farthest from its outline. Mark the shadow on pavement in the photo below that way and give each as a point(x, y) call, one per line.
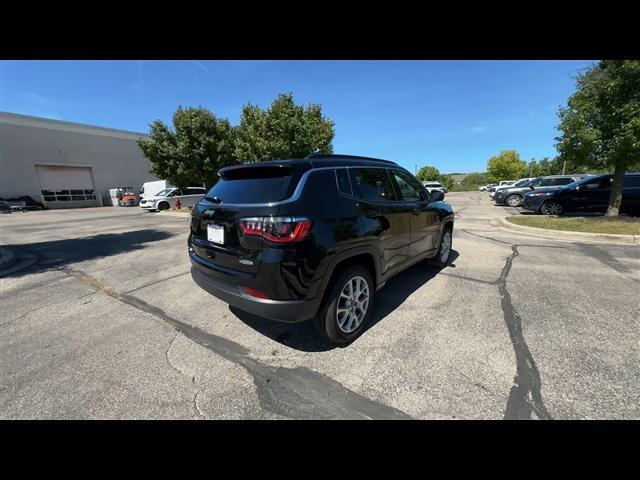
point(60, 253)
point(303, 336)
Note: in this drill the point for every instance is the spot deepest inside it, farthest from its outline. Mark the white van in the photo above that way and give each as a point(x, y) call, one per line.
point(150, 189)
point(166, 198)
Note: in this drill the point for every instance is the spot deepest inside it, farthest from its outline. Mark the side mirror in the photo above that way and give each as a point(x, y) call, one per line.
point(531, 187)
point(437, 196)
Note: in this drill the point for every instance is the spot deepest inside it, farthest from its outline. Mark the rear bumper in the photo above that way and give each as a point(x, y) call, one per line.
point(289, 311)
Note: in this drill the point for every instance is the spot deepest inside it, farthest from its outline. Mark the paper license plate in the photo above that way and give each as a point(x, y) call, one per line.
point(215, 234)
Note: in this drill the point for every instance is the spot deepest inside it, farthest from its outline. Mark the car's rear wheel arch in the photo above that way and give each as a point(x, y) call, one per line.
point(364, 259)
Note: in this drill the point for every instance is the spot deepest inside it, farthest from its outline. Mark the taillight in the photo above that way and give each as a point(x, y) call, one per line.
point(277, 229)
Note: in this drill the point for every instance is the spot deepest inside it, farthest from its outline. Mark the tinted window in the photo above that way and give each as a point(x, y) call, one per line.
point(194, 191)
point(342, 178)
point(373, 184)
point(632, 181)
point(546, 182)
point(597, 184)
point(561, 181)
point(256, 185)
point(410, 188)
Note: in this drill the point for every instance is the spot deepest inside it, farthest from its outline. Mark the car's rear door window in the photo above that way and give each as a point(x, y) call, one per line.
point(344, 185)
point(562, 181)
point(373, 184)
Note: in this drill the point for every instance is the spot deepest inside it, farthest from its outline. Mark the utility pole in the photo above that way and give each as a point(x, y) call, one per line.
point(564, 165)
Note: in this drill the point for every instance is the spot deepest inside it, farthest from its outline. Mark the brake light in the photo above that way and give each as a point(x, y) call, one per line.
point(277, 229)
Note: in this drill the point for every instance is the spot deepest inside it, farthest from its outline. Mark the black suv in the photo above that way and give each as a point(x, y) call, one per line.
point(589, 194)
point(314, 238)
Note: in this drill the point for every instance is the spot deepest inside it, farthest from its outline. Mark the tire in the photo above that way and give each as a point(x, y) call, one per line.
point(343, 328)
point(513, 200)
point(551, 208)
point(441, 258)
point(163, 206)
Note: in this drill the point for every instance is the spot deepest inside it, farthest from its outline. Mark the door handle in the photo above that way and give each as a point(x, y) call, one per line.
point(374, 213)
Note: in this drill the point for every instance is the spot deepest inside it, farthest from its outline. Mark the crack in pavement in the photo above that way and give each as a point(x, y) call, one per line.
point(298, 393)
point(525, 397)
point(195, 405)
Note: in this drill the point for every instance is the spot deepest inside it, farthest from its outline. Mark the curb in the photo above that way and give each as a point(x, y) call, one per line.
point(566, 235)
point(7, 258)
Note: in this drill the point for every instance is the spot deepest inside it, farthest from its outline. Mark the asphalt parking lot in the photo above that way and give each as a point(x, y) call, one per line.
point(104, 321)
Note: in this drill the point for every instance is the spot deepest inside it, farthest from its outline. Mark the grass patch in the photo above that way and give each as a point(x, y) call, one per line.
point(614, 225)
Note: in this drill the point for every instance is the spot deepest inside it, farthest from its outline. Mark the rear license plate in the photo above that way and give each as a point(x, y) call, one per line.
point(215, 233)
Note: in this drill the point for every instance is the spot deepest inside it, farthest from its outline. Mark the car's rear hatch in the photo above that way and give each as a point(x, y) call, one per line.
point(243, 192)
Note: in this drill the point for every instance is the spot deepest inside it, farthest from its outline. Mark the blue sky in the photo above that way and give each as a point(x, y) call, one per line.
point(453, 115)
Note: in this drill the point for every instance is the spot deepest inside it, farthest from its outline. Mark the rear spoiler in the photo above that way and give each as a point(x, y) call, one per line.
point(249, 170)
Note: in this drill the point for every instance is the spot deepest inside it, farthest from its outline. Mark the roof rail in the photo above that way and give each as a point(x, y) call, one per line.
point(322, 156)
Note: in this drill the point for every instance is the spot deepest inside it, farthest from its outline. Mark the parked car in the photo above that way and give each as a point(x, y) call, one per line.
point(150, 189)
point(431, 186)
point(263, 242)
point(4, 207)
point(588, 194)
point(483, 188)
point(167, 198)
point(23, 202)
point(512, 195)
point(506, 184)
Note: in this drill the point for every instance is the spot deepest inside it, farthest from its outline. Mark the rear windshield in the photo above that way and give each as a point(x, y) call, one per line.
point(255, 185)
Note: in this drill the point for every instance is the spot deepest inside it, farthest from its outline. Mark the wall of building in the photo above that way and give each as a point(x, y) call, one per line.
point(113, 155)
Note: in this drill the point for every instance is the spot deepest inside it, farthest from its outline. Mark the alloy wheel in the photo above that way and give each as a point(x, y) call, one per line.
point(353, 304)
point(552, 208)
point(513, 201)
point(445, 247)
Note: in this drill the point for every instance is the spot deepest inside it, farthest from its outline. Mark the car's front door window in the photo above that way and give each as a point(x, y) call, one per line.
point(409, 190)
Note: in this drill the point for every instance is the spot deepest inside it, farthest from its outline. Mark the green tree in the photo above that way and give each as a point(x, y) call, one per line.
point(284, 130)
point(447, 181)
point(600, 126)
point(427, 173)
point(472, 181)
point(506, 166)
point(191, 153)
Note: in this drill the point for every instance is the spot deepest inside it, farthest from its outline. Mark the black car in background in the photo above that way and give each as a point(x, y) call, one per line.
point(23, 203)
point(590, 194)
point(512, 196)
point(314, 238)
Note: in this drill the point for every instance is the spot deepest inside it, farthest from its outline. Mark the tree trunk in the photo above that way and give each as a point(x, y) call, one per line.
point(615, 199)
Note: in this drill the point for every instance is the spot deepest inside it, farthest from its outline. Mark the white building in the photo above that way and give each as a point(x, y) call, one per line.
point(67, 165)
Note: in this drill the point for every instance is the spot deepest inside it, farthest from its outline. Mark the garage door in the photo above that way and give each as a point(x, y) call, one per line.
point(67, 187)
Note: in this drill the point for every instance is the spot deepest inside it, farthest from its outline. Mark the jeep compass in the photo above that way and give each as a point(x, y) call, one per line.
point(314, 238)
